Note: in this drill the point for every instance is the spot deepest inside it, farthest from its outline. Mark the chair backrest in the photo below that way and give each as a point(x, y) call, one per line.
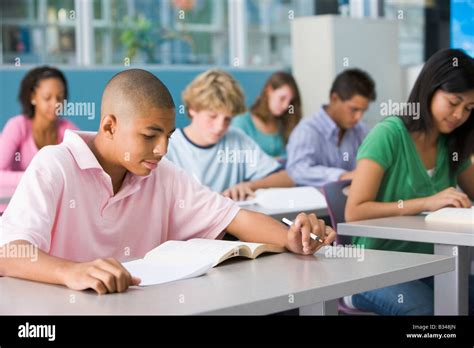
point(336, 201)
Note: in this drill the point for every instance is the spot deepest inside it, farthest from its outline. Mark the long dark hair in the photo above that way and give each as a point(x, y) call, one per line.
point(452, 71)
point(290, 119)
point(31, 81)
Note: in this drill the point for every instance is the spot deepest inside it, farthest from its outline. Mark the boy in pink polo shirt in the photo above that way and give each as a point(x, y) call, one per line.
point(100, 198)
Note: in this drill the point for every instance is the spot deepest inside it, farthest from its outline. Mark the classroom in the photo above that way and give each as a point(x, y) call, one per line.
point(266, 158)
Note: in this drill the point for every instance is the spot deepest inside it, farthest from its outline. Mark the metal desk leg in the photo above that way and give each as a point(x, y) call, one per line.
point(321, 308)
point(451, 288)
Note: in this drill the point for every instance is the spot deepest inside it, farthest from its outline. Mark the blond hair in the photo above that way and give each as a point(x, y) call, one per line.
point(214, 90)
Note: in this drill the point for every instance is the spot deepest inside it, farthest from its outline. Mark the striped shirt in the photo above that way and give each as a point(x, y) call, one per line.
point(314, 157)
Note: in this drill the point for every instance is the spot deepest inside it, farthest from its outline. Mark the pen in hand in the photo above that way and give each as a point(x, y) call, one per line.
point(288, 222)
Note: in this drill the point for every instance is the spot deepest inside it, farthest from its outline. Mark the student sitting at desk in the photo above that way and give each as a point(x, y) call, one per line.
point(322, 149)
point(223, 158)
point(411, 163)
point(274, 114)
point(101, 197)
point(39, 125)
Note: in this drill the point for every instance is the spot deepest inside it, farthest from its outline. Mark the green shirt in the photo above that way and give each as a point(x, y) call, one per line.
point(405, 177)
point(273, 144)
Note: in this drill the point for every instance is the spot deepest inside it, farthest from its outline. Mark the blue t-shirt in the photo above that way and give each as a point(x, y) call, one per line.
point(235, 158)
point(273, 144)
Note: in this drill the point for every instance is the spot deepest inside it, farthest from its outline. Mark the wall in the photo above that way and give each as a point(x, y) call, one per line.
point(86, 85)
point(323, 44)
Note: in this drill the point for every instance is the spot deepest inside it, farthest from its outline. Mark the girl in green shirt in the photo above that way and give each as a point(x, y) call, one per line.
point(412, 163)
point(274, 114)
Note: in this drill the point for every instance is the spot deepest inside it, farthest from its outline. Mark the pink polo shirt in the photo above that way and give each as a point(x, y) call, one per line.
point(18, 147)
point(65, 205)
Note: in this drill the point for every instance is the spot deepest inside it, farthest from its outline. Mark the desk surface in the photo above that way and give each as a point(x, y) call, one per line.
point(410, 228)
point(288, 213)
point(269, 284)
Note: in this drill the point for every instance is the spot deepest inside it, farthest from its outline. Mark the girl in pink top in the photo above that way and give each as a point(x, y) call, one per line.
point(41, 90)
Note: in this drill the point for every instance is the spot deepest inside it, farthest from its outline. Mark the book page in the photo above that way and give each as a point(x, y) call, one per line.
point(294, 198)
point(255, 248)
point(179, 251)
point(152, 273)
point(452, 215)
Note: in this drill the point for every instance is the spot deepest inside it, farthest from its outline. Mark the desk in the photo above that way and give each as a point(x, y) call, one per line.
point(451, 289)
point(268, 284)
point(289, 213)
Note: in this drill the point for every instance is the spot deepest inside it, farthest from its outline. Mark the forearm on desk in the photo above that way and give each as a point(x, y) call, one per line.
point(38, 266)
point(374, 210)
point(278, 179)
point(255, 227)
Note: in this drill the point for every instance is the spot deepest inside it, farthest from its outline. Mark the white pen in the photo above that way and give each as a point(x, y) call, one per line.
point(288, 222)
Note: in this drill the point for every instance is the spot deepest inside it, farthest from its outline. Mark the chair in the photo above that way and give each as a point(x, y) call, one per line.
point(336, 200)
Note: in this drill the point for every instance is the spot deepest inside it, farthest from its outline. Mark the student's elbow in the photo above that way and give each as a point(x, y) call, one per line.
point(287, 180)
point(3, 266)
point(350, 213)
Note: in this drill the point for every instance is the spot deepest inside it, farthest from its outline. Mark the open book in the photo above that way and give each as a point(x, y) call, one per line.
point(294, 198)
point(174, 260)
point(452, 215)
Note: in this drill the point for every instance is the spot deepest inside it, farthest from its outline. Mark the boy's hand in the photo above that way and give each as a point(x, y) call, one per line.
point(101, 275)
point(239, 192)
point(299, 239)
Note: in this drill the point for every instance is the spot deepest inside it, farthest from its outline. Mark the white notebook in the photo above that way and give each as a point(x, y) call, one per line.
point(175, 260)
point(294, 198)
point(452, 215)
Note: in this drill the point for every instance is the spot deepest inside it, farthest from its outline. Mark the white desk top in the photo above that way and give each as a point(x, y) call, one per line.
point(410, 228)
point(260, 286)
point(288, 213)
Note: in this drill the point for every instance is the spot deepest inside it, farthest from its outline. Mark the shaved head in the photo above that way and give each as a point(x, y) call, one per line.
point(131, 90)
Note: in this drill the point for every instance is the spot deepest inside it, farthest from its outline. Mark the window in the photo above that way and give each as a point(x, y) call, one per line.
point(178, 31)
point(38, 31)
point(269, 29)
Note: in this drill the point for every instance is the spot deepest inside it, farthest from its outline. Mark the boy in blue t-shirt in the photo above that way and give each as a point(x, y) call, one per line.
point(223, 158)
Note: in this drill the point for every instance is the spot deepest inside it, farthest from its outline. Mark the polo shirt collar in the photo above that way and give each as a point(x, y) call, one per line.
point(325, 121)
point(76, 142)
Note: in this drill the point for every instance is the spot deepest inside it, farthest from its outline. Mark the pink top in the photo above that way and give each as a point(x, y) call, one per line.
point(65, 205)
point(18, 147)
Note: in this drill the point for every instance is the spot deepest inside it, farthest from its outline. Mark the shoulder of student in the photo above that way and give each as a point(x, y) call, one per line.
point(54, 161)
point(236, 135)
point(305, 129)
point(392, 126)
point(361, 127)
point(67, 124)
point(389, 131)
point(16, 124)
point(239, 120)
